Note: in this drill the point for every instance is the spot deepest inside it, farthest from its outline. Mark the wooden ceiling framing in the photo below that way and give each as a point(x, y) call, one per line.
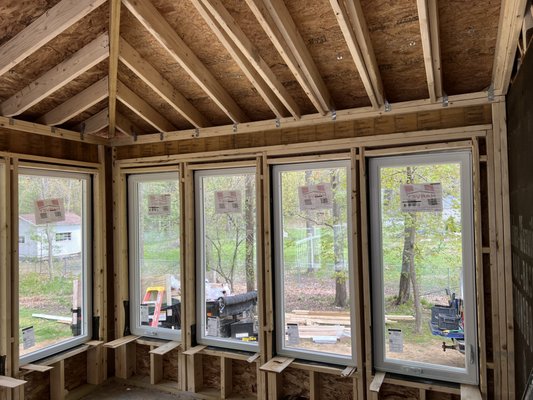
point(120, 69)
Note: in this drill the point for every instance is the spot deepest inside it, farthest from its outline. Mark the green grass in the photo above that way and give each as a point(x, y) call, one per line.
point(45, 330)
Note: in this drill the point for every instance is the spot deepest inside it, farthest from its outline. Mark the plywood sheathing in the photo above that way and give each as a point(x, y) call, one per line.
point(295, 383)
point(19, 14)
point(244, 376)
point(75, 121)
point(439, 119)
point(250, 26)
point(54, 52)
point(38, 386)
point(76, 371)
point(468, 31)
point(211, 372)
point(143, 90)
point(85, 80)
point(138, 122)
point(333, 387)
point(320, 30)
point(395, 35)
point(39, 145)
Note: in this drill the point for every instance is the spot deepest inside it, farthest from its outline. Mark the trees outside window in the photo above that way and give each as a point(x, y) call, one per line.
point(313, 263)
point(54, 260)
point(226, 225)
point(423, 266)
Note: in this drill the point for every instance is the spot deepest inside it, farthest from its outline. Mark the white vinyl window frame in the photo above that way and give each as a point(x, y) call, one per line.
point(310, 355)
point(134, 260)
point(87, 269)
point(201, 262)
point(469, 374)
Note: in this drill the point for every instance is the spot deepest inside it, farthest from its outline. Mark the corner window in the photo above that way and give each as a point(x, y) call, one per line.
point(226, 257)
point(155, 254)
point(314, 262)
point(423, 266)
point(54, 275)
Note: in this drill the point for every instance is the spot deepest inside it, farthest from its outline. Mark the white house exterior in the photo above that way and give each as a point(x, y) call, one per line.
point(66, 236)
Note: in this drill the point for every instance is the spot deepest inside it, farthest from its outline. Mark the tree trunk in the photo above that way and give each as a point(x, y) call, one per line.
point(250, 224)
point(341, 294)
point(416, 298)
point(408, 254)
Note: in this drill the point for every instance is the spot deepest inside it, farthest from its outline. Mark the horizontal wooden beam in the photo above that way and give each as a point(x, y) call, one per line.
point(456, 101)
point(76, 104)
point(149, 75)
point(56, 20)
point(95, 123)
point(39, 129)
point(144, 110)
point(63, 73)
point(161, 30)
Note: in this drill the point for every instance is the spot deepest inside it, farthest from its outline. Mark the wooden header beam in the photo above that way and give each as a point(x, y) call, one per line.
point(63, 73)
point(52, 23)
point(161, 30)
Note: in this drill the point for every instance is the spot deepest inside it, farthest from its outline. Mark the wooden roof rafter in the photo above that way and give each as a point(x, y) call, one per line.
point(95, 123)
point(144, 110)
point(278, 24)
point(429, 30)
point(114, 37)
point(57, 77)
point(125, 126)
point(76, 104)
point(511, 20)
point(161, 30)
point(353, 26)
point(247, 57)
point(49, 25)
point(149, 75)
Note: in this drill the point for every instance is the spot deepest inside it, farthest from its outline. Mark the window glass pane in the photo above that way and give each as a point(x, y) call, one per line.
point(313, 272)
point(52, 268)
point(157, 250)
point(228, 257)
point(426, 265)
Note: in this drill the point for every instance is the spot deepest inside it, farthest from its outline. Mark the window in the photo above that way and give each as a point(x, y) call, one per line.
point(423, 266)
point(227, 258)
point(54, 278)
point(63, 236)
point(313, 261)
point(155, 254)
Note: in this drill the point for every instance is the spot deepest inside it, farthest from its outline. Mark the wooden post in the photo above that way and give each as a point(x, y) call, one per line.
point(314, 385)
point(5, 267)
point(156, 367)
point(226, 378)
point(57, 381)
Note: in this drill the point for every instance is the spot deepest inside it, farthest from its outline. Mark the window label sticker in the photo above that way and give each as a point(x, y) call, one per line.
point(228, 201)
point(425, 197)
point(395, 341)
point(293, 333)
point(159, 204)
point(28, 337)
point(48, 211)
point(315, 197)
point(144, 313)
